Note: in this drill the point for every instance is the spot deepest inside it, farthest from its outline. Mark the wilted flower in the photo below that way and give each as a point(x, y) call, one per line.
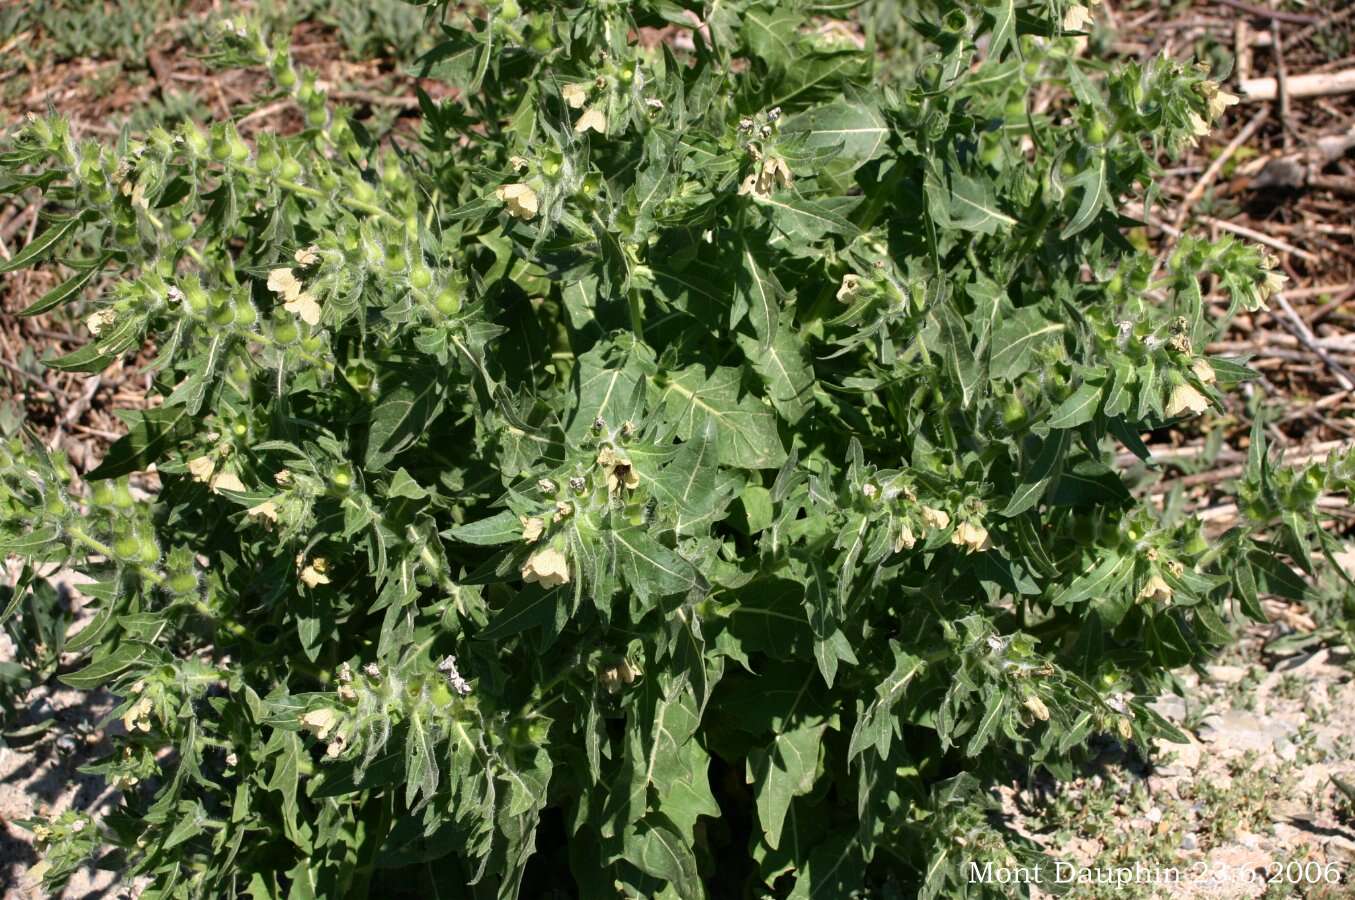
point(935, 518)
point(232, 759)
point(1185, 398)
point(1156, 590)
point(563, 510)
point(973, 538)
point(870, 491)
point(545, 485)
point(547, 567)
point(531, 528)
point(313, 572)
point(655, 104)
point(772, 174)
point(593, 119)
point(454, 680)
point(851, 283)
point(519, 163)
point(576, 95)
point(138, 716)
point(1037, 708)
point(1203, 371)
point(520, 200)
point(101, 320)
point(307, 257)
point(613, 677)
point(283, 478)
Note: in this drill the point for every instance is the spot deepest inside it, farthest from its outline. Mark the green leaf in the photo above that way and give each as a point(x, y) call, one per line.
point(500, 528)
point(39, 246)
point(758, 290)
point(1077, 409)
point(30, 543)
point(649, 568)
point(657, 848)
point(803, 219)
point(69, 288)
point(1016, 339)
point(151, 433)
point(102, 670)
point(785, 769)
point(785, 370)
point(1034, 482)
point(745, 428)
point(1095, 196)
point(855, 129)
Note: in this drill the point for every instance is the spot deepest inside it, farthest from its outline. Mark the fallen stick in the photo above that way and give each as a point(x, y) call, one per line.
point(1314, 84)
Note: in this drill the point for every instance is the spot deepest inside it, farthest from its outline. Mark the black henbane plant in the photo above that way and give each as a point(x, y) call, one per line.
point(685, 471)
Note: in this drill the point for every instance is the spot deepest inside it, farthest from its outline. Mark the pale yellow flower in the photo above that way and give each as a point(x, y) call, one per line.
point(576, 95)
point(905, 539)
point(1185, 398)
point(313, 572)
point(935, 518)
point(593, 119)
point(307, 257)
point(284, 282)
point(320, 721)
point(547, 567)
point(1076, 17)
point(520, 199)
point(225, 481)
point(531, 528)
point(973, 538)
point(1198, 126)
point(266, 513)
point(304, 307)
point(201, 468)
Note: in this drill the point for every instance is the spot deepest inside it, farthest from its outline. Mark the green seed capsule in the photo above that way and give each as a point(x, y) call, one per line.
point(448, 301)
point(268, 162)
point(420, 278)
point(55, 506)
point(244, 313)
point(182, 583)
point(290, 170)
point(284, 332)
point(223, 314)
point(316, 116)
point(148, 550)
point(181, 231)
point(127, 547)
point(122, 497)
